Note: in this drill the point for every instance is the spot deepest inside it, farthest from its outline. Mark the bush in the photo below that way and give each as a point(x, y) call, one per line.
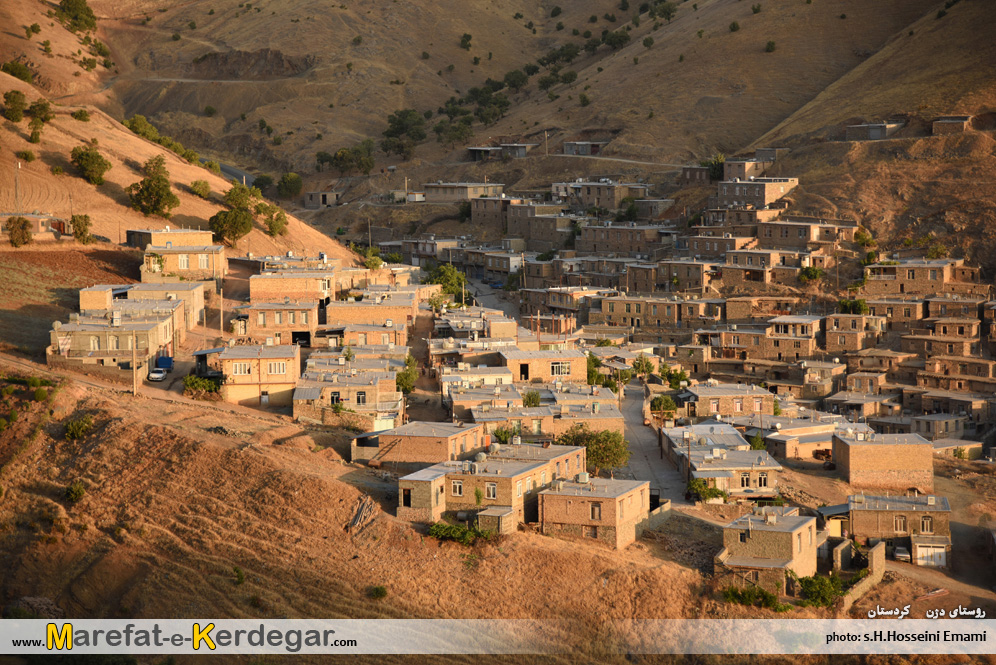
point(290, 185)
point(26, 155)
point(14, 104)
point(200, 384)
point(77, 15)
point(734, 26)
point(81, 229)
point(57, 170)
point(240, 577)
point(75, 491)
point(41, 394)
point(176, 36)
point(209, 111)
point(769, 47)
point(90, 163)
point(752, 595)
point(82, 115)
point(458, 533)
point(583, 99)
point(555, 12)
point(79, 428)
point(756, 8)
point(377, 592)
point(18, 231)
point(821, 591)
point(200, 188)
point(17, 70)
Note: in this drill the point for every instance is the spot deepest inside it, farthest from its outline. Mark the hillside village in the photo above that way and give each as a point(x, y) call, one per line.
point(686, 365)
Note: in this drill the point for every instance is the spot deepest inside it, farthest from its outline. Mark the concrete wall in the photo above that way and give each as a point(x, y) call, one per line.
point(876, 569)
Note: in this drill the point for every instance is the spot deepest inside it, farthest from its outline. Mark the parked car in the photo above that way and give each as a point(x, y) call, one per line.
point(157, 374)
point(902, 554)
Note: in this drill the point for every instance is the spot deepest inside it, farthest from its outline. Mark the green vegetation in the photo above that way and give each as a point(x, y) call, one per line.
point(663, 404)
point(754, 595)
point(777, 408)
point(75, 491)
point(769, 47)
point(734, 26)
point(377, 592)
point(937, 251)
point(209, 111)
point(757, 441)
point(863, 238)
point(17, 70)
point(648, 42)
point(289, 185)
point(14, 104)
point(77, 15)
point(406, 378)
point(81, 229)
point(274, 219)
point(465, 41)
point(452, 280)
point(153, 194)
point(231, 225)
point(82, 115)
point(756, 8)
point(345, 160)
point(200, 188)
point(810, 274)
point(698, 487)
point(643, 365)
point(605, 449)
point(530, 398)
point(141, 126)
point(853, 306)
point(458, 533)
point(18, 231)
point(25, 155)
point(821, 591)
point(715, 166)
point(79, 428)
point(240, 577)
point(40, 394)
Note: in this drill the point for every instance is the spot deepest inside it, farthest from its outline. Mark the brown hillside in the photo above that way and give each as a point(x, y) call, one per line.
point(107, 204)
point(171, 507)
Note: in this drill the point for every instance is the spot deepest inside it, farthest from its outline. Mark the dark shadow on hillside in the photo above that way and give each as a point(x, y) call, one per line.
point(188, 222)
point(115, 192)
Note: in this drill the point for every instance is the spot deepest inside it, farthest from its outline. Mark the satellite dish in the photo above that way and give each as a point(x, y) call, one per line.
point(56, 325)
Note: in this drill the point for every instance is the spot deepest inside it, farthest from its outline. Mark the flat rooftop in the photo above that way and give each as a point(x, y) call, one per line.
point(600, 488)
point(909, 503)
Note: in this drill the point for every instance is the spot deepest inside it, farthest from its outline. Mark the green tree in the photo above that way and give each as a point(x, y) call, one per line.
point(465, 41)
point(90, 163)
point(406, 123)
point(231, 225)
point(153, 194)
point(770, 47)
point(289, 185)
point(663, 404)
point(36, 126)
point(452, 280)
point(734, 26)
point(530, 398)
point(41, 109)
point(648, 42)
point(643, 365)
point(616, 40)
point(667, 11)
point(547, 81)
point(262, 181)
point(778, 409)
point(18, 70)
point(516, 80)
point(568, 77)
point(18, 231)
point(140, 125)
point(242, 196)
point(274, 219)
point(605, 449)
point(373, 262)
point(81, 229)
point(757, 441)
point(595, 378)
point(406, 378)
point(77, 15)
point(715, 166)
point(14, 104)
point(201, 188)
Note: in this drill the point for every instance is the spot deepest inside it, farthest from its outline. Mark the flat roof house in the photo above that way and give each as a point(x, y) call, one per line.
point(769, 548)
point(607, 510)
point(420, 443)
point(898, 462)
point(260, 375)
point(167, 237)
point(568, 366)
point(920, 523)
point(452, 192)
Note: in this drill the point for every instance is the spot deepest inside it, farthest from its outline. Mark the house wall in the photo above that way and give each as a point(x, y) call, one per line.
point(428, 501)
point(882, 523)
point(571, 515)
point(886, 466)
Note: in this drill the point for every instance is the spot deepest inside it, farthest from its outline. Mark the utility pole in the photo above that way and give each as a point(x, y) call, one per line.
point(370, 232)
point(221, 312)
point(17, 189)
point(546, 143)
point(134, 363)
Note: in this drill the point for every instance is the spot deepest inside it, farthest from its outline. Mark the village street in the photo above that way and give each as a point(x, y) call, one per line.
point(645, 461)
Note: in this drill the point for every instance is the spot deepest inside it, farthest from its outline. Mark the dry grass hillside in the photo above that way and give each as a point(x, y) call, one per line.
point(172, 506)
point(108, 204)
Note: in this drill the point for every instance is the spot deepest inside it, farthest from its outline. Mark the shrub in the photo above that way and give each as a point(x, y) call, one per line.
point(769, 47)
point(18, 231)
point(57, 170)
point(290, 185)
point(17, 70)
point(199, 384)
point(209, 111)
point(821, 591)
point(176, 36)
point(14, 104)
point(648, 42)
point(425, 55)
point(458, 533)
point(200, 188)
point(75, 491)
point(240, 577)
point(555, 12)
point(357, 40)
point(752, 595)
point(810, 273)
point(79, 428)
point(465, 41)
point(82, 115)
point(41, 394)
point(756, 8)
point(90, 163)
point(26, 155)
point(734, 26)
point(77, 15)
point(377, 592)
point(663, 403)
point(81, 229)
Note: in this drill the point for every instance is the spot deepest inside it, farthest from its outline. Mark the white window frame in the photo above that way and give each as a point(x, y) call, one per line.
point(241, 369)
point(491, 491)
point(456, 488)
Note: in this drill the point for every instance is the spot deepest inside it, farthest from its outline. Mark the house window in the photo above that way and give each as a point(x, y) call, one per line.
point(841, 340)
point(456, 489)
point(560, 368)
point(183, 261)
point(596, 511)
point(112, 343)
point(334, 398)
point(900, 523)
point(361, 398)
point(304, 318)
point(490, 490)
point(543, 478)
point(290, 318)
point(745, 480)
point(738, 405)
point(762, 479)
point(714, 406)
point(798, 539)
point(810, 534)
point(758, 405)
point(278, 318)
point(743, 536)
point(240, 369)
point(529, 484)
point(926, 524)
point(518, 488)
point(277, 368)
point(261, 318)
point(202, 261)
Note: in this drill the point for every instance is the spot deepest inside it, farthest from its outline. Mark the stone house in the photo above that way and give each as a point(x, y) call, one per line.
point(163, 263)
point(568, 366)
point(923, 277)
point(167, 237)
point(260, 375)
point(951, 124)
point(280, 322)
point(872, 131)
point(321, 199)
point(454, 192)
point(769, 548)
point(744, 169)
point(368, 400)
point(602, 509)
point(604, 193)
point(584, 148)
point(301, 286)
point(694, 176)
point(742, 474)
point(726, 399)
point(897, 462)
point(920, 523)
point(340, 335)
point(385, 311)
point(624, 238)
point(548, 421)
point(852, 332)
point(104, 297)
point(758, 193)
point(420, 443)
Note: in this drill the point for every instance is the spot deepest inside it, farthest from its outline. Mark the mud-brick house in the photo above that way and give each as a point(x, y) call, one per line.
point(919, 523)
point(607, 510)
point(260, 375)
